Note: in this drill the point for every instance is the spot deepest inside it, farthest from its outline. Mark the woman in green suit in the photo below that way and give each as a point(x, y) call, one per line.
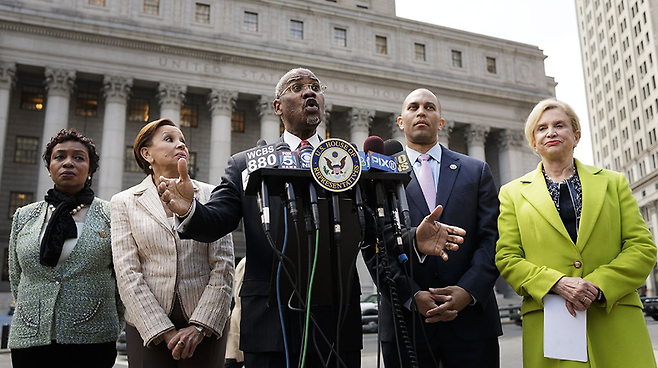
point(576, 231)
point(68, 310)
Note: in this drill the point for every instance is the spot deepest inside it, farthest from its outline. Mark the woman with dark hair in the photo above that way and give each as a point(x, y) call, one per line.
point(60, 267)
point(177, 292)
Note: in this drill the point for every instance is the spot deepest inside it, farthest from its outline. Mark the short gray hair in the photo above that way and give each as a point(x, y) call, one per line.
point(282, 82)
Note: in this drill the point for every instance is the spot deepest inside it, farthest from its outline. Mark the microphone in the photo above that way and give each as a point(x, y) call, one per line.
point(287, 160)
point(305, 153)
point(374, 146)
point(263, 198)
point(358, 198)
point(394, 148)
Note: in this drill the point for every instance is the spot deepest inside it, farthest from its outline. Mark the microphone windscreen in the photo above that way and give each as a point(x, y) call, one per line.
point(392, 146)
point(261, 142)
point(305, 153)
point(374, 144)
point(282, 146)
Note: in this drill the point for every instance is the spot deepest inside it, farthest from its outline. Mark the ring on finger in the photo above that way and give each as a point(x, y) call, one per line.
point(181, 343)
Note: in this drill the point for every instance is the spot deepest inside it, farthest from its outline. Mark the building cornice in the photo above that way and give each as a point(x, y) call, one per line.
point(330, 66)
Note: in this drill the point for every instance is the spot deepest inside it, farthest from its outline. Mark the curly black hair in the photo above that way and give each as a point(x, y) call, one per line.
point(71, 134)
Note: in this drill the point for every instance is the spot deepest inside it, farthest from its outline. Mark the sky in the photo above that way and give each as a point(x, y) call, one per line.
point(549, 25)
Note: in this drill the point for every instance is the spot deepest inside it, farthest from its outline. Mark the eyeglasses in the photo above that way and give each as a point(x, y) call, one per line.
point(299, 87)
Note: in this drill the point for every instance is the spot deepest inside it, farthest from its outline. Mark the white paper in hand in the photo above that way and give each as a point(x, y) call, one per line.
point(565, 336)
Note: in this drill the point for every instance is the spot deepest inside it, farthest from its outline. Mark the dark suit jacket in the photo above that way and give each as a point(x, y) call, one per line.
point(468, 194)
point(260, 329)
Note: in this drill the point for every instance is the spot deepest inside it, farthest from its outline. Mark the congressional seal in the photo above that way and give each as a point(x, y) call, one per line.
point(335, 165)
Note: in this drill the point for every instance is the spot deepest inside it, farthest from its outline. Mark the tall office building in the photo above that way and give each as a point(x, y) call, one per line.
point(620, 64)
point(107, 67)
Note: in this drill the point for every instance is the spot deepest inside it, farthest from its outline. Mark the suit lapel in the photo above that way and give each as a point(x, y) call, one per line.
point(536, 193)
point(450, 166)
point(415, 195)
point(149, 200)
point(594, 190)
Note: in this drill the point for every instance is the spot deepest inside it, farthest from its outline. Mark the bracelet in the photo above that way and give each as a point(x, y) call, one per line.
point(200, 330)
point(188, 211)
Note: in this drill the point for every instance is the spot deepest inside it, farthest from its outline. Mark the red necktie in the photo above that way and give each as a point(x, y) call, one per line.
point(302, 144)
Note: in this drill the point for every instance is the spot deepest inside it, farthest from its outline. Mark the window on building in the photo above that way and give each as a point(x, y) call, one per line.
point(189, 116)
point(456, 59)
point(129, 163)
point(191, 165)
point(250, 22)
point(202, 13)
point(86, 104)
point(152, 7)
point(419, 52)
point(296, 29)
point(138, 110)
point(97, 2)
point(380, 45)
point(32, 98)
point(340, 37)
point(237, 121)
point(18, 199)
point(27, 150)
point(491, 65)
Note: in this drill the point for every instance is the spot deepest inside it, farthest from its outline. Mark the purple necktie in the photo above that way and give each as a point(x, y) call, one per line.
point(426, 180)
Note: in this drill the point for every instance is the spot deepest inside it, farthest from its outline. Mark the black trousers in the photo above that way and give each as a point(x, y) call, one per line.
point(352, 359)
point(208, 354)
point(102, 355)
point(448, 351)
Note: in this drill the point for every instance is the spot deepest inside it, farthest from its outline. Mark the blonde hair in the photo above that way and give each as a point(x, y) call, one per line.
point(539, 109)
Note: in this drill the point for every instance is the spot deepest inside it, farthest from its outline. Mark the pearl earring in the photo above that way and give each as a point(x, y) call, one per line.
point(150, 167)
point(89, 177)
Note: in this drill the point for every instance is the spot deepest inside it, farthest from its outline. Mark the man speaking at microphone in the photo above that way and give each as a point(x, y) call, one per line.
point(462, 332)
point(300, 104)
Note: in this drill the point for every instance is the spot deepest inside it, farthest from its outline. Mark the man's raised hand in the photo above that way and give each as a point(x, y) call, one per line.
point(177, 193)
point(434, 238)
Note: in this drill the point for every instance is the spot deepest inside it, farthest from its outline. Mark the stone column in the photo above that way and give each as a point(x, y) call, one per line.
point(322, 127)
point(396, 132)
point(360, 125)
point(269, 121)
point(171, 97)
point(221, 104)
point(7, 83)
point(59, 85)
point(116, 90)
point(444, 134)
point(510, 154)
point(475, 136)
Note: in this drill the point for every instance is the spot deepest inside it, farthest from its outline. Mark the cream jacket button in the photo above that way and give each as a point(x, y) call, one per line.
point(577, 264)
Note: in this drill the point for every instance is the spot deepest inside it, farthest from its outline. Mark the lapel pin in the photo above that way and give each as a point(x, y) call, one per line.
point(102, 233)
point(453, 167)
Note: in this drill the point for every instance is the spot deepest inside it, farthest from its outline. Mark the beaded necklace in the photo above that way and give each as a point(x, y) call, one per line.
point(72, 212)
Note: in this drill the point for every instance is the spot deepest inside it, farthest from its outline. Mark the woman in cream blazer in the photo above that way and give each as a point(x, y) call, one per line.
point(177, 292)
point(594, 250)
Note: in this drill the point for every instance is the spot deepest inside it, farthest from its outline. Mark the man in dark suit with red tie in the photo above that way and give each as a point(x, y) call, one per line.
point(300, 104)
point(462, 332)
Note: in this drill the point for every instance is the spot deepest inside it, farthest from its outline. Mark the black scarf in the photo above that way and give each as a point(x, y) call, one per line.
point(61, 225)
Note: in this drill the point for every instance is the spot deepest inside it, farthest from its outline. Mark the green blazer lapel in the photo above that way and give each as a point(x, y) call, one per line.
point(536, 193)
point(147, 197)
point(594, 191)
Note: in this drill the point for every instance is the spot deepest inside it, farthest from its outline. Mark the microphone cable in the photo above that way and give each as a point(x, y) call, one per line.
point(278, 292)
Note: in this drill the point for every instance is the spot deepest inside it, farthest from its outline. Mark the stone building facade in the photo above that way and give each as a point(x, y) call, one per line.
point(107, 67)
